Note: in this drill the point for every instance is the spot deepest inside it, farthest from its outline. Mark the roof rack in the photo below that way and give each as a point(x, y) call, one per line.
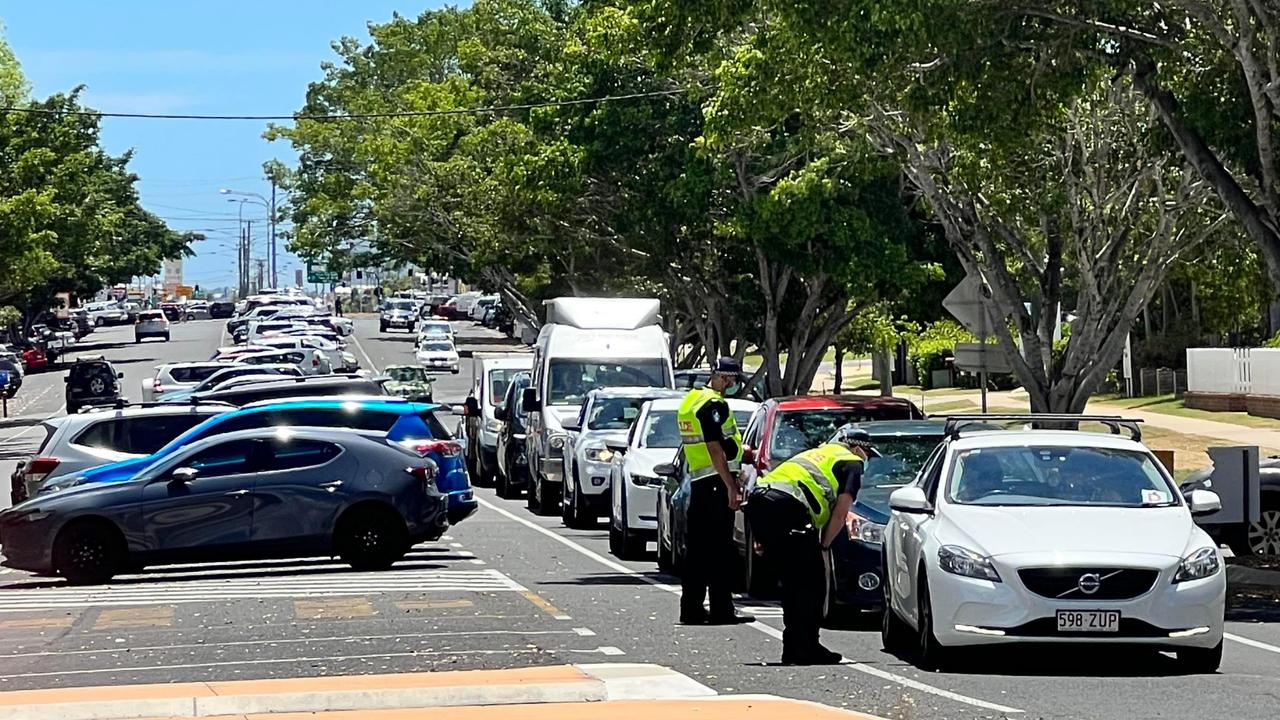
point(123, 404)
point(955, 423)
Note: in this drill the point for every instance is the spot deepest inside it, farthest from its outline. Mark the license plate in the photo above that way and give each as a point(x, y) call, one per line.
point(1088, 621)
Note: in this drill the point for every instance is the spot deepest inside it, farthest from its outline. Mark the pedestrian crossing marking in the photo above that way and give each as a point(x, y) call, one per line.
point(36, 623)
point(333, 609)
point(154, 616)
point(434, 605)
point(542, 604)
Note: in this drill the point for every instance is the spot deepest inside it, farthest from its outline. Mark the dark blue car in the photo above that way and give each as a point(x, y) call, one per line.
point(412, 424)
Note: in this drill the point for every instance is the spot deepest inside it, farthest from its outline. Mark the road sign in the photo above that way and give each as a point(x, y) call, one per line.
point(185, 291)
point(981, 357)
point(320, 276)
point(968, 304)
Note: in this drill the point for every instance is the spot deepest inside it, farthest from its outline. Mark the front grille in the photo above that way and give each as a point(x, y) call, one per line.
point(1071, 583)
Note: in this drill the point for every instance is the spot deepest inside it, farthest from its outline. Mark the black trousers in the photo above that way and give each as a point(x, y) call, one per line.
point(709, 551)
point(793, 548)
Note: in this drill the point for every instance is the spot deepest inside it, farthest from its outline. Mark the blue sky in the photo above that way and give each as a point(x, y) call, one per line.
point(179, 56)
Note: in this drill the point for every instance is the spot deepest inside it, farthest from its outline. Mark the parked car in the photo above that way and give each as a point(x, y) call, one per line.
point(172, 377)
point(196, 311)
point(436, 354)
point(672, 502)
point(151, 323)
point(435, 329)
point(513, 461)
point(230, 372)
point(306, 386)
point(1050, 536)
point(11, 366)
point(220, 309)
point(256, 493)
point(34, 357)
point(605, 417)
point(410, 424)
point(407, 381)
point(490, 375)
point(258, 313)
point(81, 325)
point(1255, 538)
point(338, 360)
point(399, 314)
point(91, 380)
point(309, 360)
point(256, 330)
point(74, 443)
point(172, 311)
point(107, 313)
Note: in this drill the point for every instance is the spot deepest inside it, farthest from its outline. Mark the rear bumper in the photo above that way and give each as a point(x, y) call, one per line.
point(857, 563)
point(462, 505)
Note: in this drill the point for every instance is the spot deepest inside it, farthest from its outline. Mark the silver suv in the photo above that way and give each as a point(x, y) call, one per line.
point(73, 443)
point(151, 323)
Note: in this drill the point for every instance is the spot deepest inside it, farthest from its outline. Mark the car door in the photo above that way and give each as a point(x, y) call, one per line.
point(209, 516)
point(909, 531)
point(297, 495)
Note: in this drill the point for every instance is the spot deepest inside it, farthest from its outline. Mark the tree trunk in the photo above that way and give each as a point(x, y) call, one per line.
point(882, 368)
point(839, 383)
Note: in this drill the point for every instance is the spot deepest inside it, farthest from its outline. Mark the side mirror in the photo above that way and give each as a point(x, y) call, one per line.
point(668, 470)
point(529, 400)
point(1203, 502)
point(910, 499)
point(571, 426)
point(748, 455)
point(183, 475)
point(616, 446)
point(472, 407)
point(500, 413)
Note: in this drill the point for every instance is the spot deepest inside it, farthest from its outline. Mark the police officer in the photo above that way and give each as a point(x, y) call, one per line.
point(796, 512)
point(713, 452)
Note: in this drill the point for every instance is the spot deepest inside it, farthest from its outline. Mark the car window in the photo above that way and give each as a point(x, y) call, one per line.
point(661, 430)
point(1058, 475)
point(897, 460)
point(101, 435)
point(751, 438)
point(798, 430)
point(192, 374)
point(436, 346)
point(229, 458)
point(287, 454)
point(146, 435)
point(614, 413)
point(437, 428)
point(571, 380)
point(931, 472)
point(499, 379)
point(358, 418)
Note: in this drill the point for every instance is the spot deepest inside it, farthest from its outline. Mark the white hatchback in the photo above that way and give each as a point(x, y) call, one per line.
point(438, 354)
point(1050, 536)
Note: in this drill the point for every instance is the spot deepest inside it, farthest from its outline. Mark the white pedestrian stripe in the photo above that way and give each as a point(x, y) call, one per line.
point(317, 577)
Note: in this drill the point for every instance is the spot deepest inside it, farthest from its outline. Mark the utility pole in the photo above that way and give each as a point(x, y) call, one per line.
point(275, 283)
point(261, 269)
point(243, 272)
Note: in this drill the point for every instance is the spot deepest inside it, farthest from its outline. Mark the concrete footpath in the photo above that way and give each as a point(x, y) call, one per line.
point(565, 692)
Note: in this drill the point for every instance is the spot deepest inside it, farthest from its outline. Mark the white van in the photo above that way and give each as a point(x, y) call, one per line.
point(490, 376)
point(586, 343)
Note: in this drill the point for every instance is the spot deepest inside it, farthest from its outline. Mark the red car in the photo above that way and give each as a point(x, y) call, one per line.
point(33, 358)
point(784, 427)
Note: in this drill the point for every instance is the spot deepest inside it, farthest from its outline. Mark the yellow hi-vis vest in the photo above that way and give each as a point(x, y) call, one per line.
point(691, 437)
point(810, 478)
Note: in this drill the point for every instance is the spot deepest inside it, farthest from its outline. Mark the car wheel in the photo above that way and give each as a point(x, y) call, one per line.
point(1264, 536)
point(382, 327)
point(895, 634)
point(548, 499)
point(665, 563)
point(501, 485)
point(632, 547)
point(1200, 661)
point(569, 507)
point(370, 539)
point(99, 322)
point(930, 654)
point(88, 553)
point(137, 338)
point(615, 541)
point(166, 337)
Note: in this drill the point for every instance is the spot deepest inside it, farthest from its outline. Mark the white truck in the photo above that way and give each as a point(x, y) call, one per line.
point(586, 343)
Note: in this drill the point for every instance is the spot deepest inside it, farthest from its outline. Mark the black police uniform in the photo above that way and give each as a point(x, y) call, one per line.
point(709, 556)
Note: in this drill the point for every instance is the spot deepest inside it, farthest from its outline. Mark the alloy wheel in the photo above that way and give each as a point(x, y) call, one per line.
point(1264, 535)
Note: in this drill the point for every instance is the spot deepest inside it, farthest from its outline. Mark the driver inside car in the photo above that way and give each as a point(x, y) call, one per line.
point(981, 475)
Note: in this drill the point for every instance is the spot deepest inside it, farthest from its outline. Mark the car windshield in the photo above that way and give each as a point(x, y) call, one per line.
point(795, 431)
point(407, 374)
point(660, 430)
point(571, 380)
point(499, 380)
point(1058, 475)
point(436, 346)
point(401, 305)
point(436, 329)
point(614, 413)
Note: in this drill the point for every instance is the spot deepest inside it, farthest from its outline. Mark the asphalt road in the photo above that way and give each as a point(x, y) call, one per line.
point(506, 588)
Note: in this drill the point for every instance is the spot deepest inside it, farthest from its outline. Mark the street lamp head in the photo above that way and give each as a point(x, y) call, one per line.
point(224, 191)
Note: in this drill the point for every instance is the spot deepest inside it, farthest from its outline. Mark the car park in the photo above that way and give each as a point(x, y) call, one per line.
point(309, 360)
point(266, 492)
point(338, 360)
point(491, 374)
point(74, 443)
point(257, 330)
point(410, 382)
point(605, 418)
point(436, 354)
point(1050, 536)
point(91, 380)
point(151, 323)
point(305, 386)
point(513, 461)
point(399, 314)
point(172, 377)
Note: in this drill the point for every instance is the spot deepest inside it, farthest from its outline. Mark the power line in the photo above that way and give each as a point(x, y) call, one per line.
point(353, 116)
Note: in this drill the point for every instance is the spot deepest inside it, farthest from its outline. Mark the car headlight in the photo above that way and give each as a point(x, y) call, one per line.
point(1198, 565)
point(961, 561)
point(556, 443)
point(492, 426)
point(602, 455)
point(861, 528)
point(32, 515)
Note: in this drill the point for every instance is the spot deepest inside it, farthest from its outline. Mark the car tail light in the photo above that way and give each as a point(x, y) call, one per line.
point(315, 362)
point(156, 386)
point(38, 469)
point(446, 448)
point(426, 474)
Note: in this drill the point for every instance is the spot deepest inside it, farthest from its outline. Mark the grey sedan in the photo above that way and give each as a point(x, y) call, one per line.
point(277, 492)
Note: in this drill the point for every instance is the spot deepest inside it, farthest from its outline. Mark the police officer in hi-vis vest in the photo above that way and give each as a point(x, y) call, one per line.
point(713, 452)
point(796, 511)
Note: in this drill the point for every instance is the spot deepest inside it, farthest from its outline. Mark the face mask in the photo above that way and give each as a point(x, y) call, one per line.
point(732, 389)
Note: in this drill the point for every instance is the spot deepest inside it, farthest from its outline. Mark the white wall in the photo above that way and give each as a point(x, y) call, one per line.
point(1229, 370)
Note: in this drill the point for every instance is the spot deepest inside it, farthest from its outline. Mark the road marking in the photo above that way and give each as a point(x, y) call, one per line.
point(542, 604)
point(59, 622)
point(610, 650)
point(333, 608)
point(373, 367)
point(758, 626)
point(135, 617)
point(438, 605)
point(1251, 643)
point(584, 632)
point(264, 661)
point(291, 641)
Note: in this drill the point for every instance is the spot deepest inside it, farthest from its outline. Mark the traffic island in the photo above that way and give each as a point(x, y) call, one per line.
point(565, 692)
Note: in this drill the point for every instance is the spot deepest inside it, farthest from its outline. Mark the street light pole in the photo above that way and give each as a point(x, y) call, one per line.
point(275, 281)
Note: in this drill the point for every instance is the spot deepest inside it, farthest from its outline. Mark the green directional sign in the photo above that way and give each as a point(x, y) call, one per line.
point(320, 276)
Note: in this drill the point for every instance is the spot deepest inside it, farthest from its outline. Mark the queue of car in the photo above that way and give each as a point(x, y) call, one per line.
point(260, 453)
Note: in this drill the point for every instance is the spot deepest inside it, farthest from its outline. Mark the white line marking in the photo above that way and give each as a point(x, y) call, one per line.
point(758, 626)
point(1251, 643)
point(610, 650)
point(286, 641)
point(585, 632)
point(373, 367)
point(476, 561)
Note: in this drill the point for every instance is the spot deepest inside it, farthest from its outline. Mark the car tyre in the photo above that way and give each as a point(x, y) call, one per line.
point(370, 539)
point(895, 634)
point(1263, 537)
point(1200, 661)
point(666, 563)
point(99, 322)
point(631, 546)
point(930, 654)
point(382, 327)
point(573, 510)
point(615, 541)
point(166, 337)
point(88, 553)
point(501, 486)
point(548, 499)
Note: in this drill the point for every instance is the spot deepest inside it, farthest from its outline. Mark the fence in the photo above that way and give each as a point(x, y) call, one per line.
point(1161, 381)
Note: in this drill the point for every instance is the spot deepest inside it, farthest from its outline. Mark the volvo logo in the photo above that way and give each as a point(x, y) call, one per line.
point(1089, 583)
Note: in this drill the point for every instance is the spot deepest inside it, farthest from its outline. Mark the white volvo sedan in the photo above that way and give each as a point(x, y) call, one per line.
point(1050, 536)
